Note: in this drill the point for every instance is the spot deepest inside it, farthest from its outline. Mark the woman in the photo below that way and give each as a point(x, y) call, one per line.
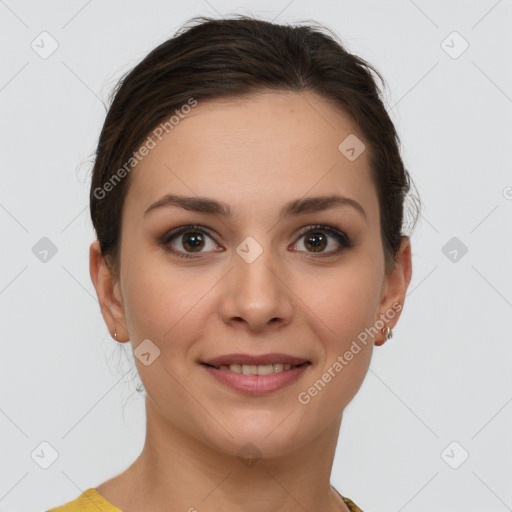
point(247, 197)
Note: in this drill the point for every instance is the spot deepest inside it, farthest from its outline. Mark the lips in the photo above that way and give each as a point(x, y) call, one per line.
point(256, 360)
point(252, 379)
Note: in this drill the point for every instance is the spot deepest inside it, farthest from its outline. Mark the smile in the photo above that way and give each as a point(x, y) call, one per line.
point(257, 379)
point(263, 369)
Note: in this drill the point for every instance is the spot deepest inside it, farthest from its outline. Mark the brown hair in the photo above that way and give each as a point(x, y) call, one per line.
point(215, 58)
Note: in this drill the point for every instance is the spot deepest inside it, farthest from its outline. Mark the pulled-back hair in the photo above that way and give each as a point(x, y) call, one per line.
point(214, 58)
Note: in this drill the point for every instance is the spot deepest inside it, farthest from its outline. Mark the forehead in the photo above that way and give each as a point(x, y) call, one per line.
point(249, 151)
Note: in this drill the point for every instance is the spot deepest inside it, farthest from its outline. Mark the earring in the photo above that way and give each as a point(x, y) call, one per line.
point(388, 334)
point(115, 335)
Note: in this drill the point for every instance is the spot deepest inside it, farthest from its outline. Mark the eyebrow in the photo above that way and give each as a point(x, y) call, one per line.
point(297, 207)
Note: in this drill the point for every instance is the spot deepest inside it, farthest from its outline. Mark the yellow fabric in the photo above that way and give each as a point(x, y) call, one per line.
point(91, 501)
point(350, 504)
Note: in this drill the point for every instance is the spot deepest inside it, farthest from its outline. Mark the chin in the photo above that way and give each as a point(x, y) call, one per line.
point(267, 438)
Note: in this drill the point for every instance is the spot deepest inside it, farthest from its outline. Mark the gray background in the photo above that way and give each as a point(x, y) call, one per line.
point(441, 388)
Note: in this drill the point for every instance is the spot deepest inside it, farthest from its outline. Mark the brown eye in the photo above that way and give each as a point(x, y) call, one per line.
point(192, 241)
point(317, 241)
point(189, 241)
point(317, 238)
point(186, 241)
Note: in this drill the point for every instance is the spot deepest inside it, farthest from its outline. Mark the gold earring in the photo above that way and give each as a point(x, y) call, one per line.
point(388, 334)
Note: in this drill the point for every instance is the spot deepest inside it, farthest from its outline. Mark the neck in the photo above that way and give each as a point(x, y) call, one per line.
point(179, 472)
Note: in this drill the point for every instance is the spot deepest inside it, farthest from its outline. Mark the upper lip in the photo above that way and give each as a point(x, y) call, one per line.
point(263, 359)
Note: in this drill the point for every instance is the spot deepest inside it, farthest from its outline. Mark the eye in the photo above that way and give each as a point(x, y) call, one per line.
point(189, 238)
point(316, 238)
point(192, 239)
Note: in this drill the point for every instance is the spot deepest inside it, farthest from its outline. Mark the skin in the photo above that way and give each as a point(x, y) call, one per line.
point(254, 155)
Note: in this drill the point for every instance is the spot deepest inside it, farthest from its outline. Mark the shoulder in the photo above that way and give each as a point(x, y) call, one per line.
point(88, 501)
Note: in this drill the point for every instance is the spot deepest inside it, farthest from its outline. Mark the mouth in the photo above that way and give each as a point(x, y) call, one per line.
point(264, 364)
point(262, 369)
point(256, 374)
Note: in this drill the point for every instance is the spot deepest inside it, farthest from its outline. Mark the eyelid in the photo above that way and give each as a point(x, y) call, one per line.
point(336, 232)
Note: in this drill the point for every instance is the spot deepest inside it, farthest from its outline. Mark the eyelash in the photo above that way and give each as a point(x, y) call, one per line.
point(341, 237)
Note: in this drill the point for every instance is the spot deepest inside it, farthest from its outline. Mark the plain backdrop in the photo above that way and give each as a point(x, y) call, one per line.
point(432, 422)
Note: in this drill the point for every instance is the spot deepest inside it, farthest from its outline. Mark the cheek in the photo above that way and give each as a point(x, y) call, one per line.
point(340, 311)
point(148, 306)
point(150, 299)
point(342, 303)
point(162, 302)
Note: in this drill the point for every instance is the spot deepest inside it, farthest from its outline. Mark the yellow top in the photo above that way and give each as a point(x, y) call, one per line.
point(91, 501)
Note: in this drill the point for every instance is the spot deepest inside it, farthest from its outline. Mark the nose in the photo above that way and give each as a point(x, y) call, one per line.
point(256, 295)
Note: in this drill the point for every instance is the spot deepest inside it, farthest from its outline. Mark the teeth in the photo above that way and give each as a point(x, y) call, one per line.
point(251, 369)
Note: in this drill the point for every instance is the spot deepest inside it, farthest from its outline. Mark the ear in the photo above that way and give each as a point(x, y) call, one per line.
point(108, 292)
point(396, 283)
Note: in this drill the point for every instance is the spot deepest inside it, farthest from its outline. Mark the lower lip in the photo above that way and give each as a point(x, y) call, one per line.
point(257, 384)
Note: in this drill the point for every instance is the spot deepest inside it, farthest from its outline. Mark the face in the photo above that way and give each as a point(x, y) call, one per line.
point(305, 282)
